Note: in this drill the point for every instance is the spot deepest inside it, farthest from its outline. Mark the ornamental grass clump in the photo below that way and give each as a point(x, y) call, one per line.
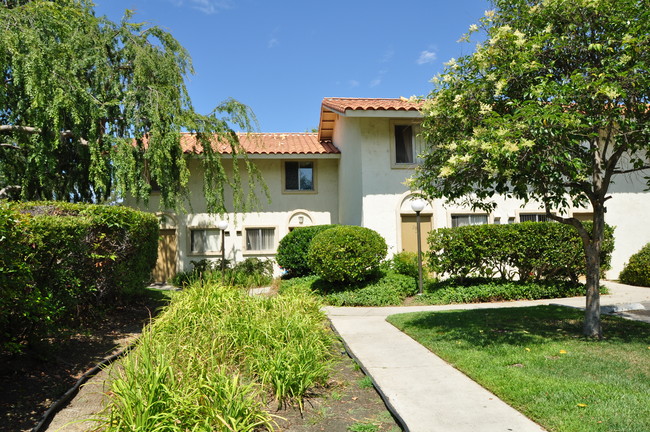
point(214, 359)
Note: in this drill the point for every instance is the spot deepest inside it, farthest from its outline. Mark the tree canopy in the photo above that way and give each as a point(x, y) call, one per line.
point(551, 107)
point(90, 108)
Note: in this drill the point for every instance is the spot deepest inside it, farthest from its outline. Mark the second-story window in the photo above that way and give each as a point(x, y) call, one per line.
point(299, 176)
point(404, 146)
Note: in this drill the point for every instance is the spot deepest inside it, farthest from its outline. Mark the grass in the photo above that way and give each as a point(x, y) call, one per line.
point(537, 361)
point(215, 356)
point(366, 382)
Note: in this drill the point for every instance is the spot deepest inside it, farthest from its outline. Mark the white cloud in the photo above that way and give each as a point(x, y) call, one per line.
point(388, 55)
point(273, 42)
point(427, 57)
point(353, 83)
point(375, 82)
point(205, 6)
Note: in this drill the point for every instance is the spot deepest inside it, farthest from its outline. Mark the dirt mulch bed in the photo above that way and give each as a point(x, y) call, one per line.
point(34, 380)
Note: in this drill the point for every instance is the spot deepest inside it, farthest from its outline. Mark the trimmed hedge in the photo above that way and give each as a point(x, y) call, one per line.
point(388, 289)
point(637, 269)
point(528, 250)
point(293, 249)
point(485, 290)
point(68, 258)
point(347, 254)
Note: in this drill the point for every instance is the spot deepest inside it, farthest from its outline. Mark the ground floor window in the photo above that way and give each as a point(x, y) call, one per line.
point(205, 240)
point(533, 217)
point(468, 219)
point(260, 239)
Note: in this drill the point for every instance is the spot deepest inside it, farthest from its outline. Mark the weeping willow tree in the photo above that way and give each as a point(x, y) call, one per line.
point(91, 109)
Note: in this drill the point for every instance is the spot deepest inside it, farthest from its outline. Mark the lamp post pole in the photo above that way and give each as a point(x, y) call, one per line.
point(417, 206)
point(223, 226)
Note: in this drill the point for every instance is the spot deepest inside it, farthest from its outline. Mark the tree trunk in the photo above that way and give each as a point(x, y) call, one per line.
point(592, 246)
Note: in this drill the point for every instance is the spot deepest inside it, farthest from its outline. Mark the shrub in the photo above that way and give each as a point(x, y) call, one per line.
point(529, 250)
point(388, 289)
point(346, 254)
point(252, 272)
point(68, 258)
point(405, 263)
point(480, 290)
point(212, 358)
point(637, 269)
point(293, 248)
point(21, 302)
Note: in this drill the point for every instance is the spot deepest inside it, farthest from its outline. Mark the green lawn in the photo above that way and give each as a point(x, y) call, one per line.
point(536, 360)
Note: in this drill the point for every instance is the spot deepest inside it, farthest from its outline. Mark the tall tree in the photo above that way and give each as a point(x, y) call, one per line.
point(552, 106)
point(91, 107)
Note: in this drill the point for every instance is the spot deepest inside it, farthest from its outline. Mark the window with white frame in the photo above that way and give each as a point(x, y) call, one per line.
point(260, 239)
point(205, 240)
point(299, 176)
point(533, 217)
point(404, 144)
point(458, 220)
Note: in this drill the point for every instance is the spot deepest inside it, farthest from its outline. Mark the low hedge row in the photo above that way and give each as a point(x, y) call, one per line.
point(58, 259)
point(385, 289)
point(524, 251)
point(484, 290)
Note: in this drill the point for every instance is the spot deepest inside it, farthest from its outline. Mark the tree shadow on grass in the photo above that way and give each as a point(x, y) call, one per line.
point(517, 326)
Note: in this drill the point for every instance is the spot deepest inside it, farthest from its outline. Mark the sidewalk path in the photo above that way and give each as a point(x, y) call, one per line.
point(425, 392)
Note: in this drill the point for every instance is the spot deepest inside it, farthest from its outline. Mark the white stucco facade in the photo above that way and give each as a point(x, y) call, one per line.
point(365, 185)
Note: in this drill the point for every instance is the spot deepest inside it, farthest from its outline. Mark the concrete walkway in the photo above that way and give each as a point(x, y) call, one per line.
point(425, 392)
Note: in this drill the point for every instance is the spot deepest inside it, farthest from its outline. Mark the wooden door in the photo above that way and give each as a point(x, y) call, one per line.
point(166, 264)
point(409, 232)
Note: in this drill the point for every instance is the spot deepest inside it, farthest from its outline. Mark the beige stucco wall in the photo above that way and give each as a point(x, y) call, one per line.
point(373, 193)
point(284, 211)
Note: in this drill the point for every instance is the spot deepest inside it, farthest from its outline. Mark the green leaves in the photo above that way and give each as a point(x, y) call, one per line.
point(78, 89)
point(551, 77)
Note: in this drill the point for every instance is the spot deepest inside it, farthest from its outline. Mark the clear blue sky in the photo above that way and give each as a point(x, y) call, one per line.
point(282, 58)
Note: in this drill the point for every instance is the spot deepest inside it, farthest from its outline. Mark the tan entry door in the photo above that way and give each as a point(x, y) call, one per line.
point(409, 232)
point(166, 264)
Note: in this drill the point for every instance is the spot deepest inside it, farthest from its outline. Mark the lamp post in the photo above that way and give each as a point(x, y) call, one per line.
point(417, 206)
point(223, 226)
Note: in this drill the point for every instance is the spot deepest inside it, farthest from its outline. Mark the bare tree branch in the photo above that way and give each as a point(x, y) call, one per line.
point(35, 130)
point(4, 192)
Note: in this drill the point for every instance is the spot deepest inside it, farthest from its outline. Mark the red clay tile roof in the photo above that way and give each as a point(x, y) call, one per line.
point(373, 104)
point(268, 143)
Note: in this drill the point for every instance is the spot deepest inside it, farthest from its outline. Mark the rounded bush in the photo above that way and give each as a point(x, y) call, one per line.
point(346, 254)
point(637, 270)
point(293, 248)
